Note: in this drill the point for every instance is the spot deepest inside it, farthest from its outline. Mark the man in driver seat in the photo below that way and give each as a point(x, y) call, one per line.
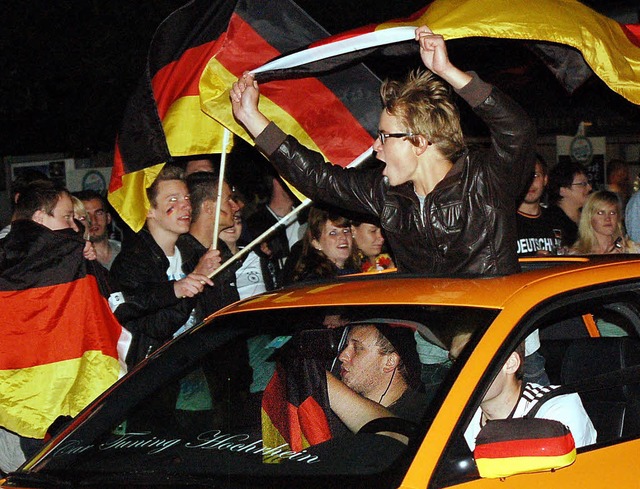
point(379, 376)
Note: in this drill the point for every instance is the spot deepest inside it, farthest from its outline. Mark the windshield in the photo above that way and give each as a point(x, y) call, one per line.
point(255, 399)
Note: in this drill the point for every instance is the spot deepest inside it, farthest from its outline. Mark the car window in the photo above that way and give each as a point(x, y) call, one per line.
point(589, 345)
point(244, 400)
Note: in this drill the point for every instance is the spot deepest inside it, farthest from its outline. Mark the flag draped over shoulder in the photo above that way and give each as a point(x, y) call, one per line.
point(611, 49)
point(335, 114)
point(163, 117)
point(61, 345)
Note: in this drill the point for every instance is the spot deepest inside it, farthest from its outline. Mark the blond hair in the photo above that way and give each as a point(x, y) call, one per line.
point(423, 103)
point(587, 240)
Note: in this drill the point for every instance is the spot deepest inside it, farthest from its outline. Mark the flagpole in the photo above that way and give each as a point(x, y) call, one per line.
point(285, 221)
point(223, 166)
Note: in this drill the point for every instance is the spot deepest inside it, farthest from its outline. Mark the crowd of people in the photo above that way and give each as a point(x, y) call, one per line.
point(435, 207)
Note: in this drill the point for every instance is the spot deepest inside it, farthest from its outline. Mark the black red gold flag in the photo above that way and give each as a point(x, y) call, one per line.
point(61, 345)
point(163, 117)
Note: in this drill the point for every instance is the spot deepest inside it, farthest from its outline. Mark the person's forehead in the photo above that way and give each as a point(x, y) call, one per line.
point(64, 204)
point(539, 168)
point(606, 206)
point(199, 165)
point(172, 187)
point(365, 226)
point(363, 333)
point(580, 176)
point(331, 226)
point(93, 205)
point(389, 122)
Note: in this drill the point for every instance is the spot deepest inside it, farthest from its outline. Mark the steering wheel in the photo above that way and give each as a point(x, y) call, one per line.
point(392, 425)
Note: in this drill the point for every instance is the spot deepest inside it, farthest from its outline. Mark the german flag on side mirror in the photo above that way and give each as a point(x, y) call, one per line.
point(508, 447)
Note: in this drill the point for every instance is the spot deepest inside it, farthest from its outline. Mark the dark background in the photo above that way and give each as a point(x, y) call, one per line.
point(67, 68)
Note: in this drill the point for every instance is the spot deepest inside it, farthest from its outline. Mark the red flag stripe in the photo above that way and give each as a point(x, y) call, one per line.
point(275, 405)
point(366, 29)
point(46, 316)
point(179, 79)
point(287, 95)
point(313, 421)
point(117, 172)
point(632, 32)
point(532, 447)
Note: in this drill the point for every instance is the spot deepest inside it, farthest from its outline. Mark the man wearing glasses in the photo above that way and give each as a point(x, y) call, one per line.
point(569, 188)
point(444, 208)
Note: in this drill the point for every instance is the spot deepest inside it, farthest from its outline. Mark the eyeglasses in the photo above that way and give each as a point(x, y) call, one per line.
point(581, 184)
point(383, 136)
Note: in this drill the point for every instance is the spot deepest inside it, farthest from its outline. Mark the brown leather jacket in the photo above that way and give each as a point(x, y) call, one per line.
point(468, 223)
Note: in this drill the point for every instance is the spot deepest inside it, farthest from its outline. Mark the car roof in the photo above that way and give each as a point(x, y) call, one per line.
point(540, 279)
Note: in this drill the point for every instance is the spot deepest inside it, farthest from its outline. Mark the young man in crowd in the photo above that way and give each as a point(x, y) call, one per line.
point(158, 289)
point(536, 233)
point(203, 190)
point(569, 188)
point(278, 247)
point(507, 397)
point(20, 183)
point(379, 363)
point(444, 208)
point(42, 253)
point(99, 221)
point(48, 204)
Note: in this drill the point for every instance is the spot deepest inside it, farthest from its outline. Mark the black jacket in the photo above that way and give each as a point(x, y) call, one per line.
point(151, 311)
point(224, 291)
point(469, 220)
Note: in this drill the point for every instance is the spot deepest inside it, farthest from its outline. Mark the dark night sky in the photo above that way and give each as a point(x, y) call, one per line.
point(67, 68)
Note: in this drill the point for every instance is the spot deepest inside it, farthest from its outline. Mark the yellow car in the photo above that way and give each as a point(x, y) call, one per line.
point(245, 400)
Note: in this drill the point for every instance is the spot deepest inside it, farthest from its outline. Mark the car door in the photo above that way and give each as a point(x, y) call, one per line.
point(590, 340)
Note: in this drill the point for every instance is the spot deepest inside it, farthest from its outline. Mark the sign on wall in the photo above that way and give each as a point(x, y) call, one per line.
point(588, 151)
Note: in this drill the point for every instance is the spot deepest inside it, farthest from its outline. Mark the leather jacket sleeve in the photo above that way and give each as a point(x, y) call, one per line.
point(513, 135)
point(307, 171)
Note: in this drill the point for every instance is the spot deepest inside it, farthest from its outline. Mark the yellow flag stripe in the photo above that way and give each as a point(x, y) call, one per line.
point(32, 398)
point(189, 131)
point(130, 200)
point(503, 467)
point(604, 45)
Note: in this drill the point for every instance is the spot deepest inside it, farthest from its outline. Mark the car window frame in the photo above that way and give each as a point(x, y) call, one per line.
point(529, 322)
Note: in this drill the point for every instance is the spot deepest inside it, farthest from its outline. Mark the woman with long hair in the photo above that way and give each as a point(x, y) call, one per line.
point(600, 228)
point(327, 247)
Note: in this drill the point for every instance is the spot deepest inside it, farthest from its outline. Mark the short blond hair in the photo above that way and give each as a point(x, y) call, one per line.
point(423, 103)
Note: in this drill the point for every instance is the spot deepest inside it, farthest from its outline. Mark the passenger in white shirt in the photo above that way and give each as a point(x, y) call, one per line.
point(508, 397)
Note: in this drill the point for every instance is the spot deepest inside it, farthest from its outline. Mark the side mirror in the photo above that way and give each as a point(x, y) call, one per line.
point(508, 447)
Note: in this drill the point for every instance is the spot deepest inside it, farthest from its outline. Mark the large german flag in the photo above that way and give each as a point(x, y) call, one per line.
point(163, 117)
point(611, 49)
point(60, 341)
point(335, 114)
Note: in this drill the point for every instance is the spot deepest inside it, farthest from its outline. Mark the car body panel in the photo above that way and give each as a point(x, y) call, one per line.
point(586, 473)
point(514, 298)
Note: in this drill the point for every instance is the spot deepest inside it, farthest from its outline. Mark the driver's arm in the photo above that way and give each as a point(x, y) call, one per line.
point(353, 409)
